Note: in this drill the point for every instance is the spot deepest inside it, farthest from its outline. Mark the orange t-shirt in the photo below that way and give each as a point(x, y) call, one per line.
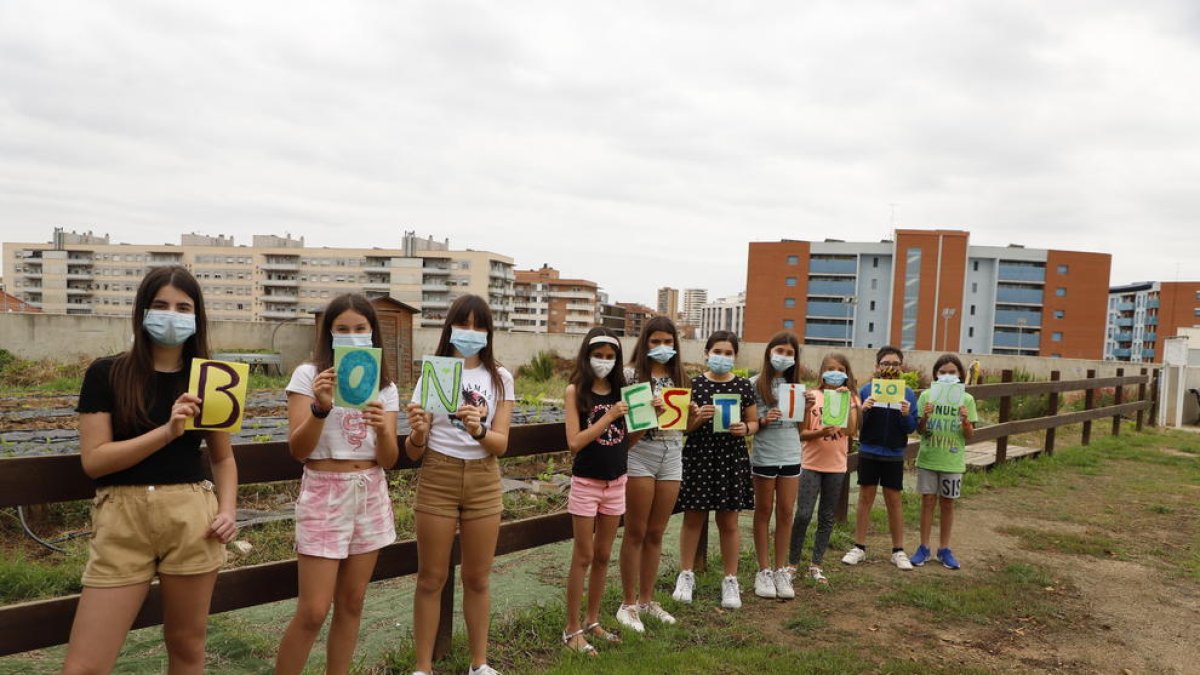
point(826, 454)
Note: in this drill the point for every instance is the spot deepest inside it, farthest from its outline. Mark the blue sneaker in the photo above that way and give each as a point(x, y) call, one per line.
point(947, 558)
point(920, 556)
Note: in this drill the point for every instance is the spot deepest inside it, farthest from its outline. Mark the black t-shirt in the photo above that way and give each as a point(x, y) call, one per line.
point(176, 462)
point(604, 458)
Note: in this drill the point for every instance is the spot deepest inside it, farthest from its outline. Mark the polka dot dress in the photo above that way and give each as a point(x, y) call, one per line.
point(716, 466)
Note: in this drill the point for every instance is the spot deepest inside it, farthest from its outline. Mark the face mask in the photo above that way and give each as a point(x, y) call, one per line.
point(352, 340)
point(468, 342)
point(720, 364)
point(834, 377)
point(169, 329)
point(888, 372)
point(948, 379)
point(661, 353)
point(602, 367)
point(781, 363)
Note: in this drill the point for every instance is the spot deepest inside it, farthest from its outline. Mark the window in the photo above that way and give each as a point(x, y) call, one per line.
point(972, 310)
point(1056, 336)
point(1060, 292)
point(789, 324)
point(874, 284)
point(974, 286)
point(793, 260)
point(1062, 269)
point(1058, 313)
point(974, 265)
point(789, 302)
point(971, 331)
point(872, 305)
point(912, 293)
point(870, 326)
point(790, 281)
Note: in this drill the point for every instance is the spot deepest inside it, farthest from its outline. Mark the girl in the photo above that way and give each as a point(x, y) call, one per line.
point(343, 514)
point(597, 438)
point(716, 469)
point(458, 486)
point(655, 470)
point(775, 465)
point(945, 429)
point(824, 464)
point(154, 511)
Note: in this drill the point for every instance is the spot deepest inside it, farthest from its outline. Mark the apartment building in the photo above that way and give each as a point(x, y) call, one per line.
point(544, 302)
point(636, 316)
point(668, 302)
point(1140, 314)
point(273, 279)
point(723, 314)
point(610, 315)
point(930, 290)
point(693, 300)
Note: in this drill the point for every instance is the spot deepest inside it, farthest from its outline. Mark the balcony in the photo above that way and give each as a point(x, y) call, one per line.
point(1021, 273)
point(1022, 340)
point(581, 307)
point(437, 287)
point(1013, 317)
point(1125, 322)
point(286, 299)
point(831, 287)
point(1124, 336)
point(1151, 321)
point(32, 275)
point(1017, 295)
point(78, 291)
point(279, 314)
point(1149, 337)
point(380, 286)
point(824, 308)
point(1122, 353)
point(833, 266)
point(436, 271)
point(1152, 303)
point(281, 264)
point(441, 303)
point(283, 283)
point(1147, 353)
point(832, 331)
point(1124, 307)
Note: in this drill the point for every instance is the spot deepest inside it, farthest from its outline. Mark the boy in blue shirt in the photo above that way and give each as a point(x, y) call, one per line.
point(883, 437)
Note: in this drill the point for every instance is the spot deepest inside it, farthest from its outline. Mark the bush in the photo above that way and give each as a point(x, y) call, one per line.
point(44, 374)
point(540, 369)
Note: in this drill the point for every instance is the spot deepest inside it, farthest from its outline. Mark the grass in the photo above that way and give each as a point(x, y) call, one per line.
point(1018, 590)
point(23, 577)
point(1092, 544)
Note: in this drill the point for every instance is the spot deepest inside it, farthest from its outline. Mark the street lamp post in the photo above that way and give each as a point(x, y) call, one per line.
point(946, 314)
point(853, 302)
point(1020, 335)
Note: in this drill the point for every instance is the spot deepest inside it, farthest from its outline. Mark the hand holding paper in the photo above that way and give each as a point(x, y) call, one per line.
point(728, 411)
point(640, 399)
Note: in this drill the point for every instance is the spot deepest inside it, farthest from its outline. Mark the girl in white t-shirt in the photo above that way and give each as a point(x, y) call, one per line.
point(344, 513)
point(458, 487)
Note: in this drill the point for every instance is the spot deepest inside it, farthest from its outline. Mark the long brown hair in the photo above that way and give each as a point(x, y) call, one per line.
point(460, 311)
point(132, 376)
point(583, 378)
point(355, 302)
point(641, 360)
point(767, 373)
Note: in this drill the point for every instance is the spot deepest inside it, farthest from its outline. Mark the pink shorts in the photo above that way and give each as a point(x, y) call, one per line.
point(590, 496)
point(343, 514)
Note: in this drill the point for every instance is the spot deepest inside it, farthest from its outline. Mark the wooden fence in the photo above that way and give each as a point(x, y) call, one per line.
point(38, 480)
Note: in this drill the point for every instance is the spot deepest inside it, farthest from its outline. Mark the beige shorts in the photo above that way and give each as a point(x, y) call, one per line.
point(141, 530)
point(464, 489)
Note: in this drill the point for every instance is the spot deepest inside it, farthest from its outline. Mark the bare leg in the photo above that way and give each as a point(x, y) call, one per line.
point(764, 504)
point(606, 532)
point(102, 620)
point(689, 538)
point(895, 512)
point(927, 504)
point(947, 521)
point(185, 601)
point(581, 561)
point(862, 517)
point(666, 492)
point(639, 498)
point(785, 506)
point(435, 537)
point(318, 581)
point(478, 539)
point(352, 578)
point(731, 541)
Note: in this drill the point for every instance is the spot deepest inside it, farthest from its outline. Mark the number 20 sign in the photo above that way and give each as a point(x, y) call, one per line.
point(887, 391)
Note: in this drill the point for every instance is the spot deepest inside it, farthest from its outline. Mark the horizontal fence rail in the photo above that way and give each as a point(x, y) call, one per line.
point(39, 480)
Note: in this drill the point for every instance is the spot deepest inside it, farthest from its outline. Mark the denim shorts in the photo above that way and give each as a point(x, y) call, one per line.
point(660, 458)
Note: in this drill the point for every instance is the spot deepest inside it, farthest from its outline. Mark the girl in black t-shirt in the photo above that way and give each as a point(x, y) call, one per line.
point(598, 440)
point(154, 512)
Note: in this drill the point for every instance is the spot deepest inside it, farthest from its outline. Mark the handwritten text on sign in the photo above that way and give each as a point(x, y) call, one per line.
point(640, 399)
point(676, 403)
point(221, 387)
point(358, 370)
point(441, 384)
point(887, 391)
point(728, 413)
point(791, 401)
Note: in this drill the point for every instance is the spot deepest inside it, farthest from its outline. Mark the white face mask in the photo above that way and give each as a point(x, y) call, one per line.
point(602, 367)
point(352, 340)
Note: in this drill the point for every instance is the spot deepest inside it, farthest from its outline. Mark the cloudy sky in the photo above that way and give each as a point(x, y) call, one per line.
point(636, 144)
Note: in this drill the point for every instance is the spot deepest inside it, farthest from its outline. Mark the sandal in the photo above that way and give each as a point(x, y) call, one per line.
point(814, 573)
point(585, 648)
point(598, 631)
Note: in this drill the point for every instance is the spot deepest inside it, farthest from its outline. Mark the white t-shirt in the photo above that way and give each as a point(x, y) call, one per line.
point(447, 434)
point(345, 435)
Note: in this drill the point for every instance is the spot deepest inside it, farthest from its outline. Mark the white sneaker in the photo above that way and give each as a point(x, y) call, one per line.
point(685, 583)
point(731, 593)
point(627, 615)
point(783, 583)
point(485, 669)
point(764, 584)
point(854, 556)
point(655, 611)
point(900, 559)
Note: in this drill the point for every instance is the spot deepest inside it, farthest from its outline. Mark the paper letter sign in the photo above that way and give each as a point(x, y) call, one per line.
point(357, 373)
point(791, 402)
point(441, 384)
point(640, 399)
point(887, 391)
point(945, 393)
point(836, 410)
point(676, 402)
point(729, 411)
point(221, 386)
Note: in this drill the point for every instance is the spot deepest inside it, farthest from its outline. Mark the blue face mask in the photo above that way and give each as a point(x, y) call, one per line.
point(468, 342)
point(352, 340)
point(720, 364)
point(661, 353)
point(781, 363)
point(169, 329)
point(948, 379)
point(834, 377)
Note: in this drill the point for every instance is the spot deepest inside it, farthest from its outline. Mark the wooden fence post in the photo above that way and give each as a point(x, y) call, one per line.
point(1141, 397)
point(445, 629)
point(702, 548)
point(1089, 401)
point(1154, 396)
point(1051, 410)
point(1119, 399)
point(1005, 413)
point(842, 512)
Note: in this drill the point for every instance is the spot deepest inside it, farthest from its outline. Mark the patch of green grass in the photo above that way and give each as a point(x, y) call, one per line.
point(24, 578)
point(1017, 590)
point(805, 621)
point(1090, 544)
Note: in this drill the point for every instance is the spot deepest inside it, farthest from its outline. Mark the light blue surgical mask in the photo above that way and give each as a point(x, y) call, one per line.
point(169, 329)
point(352, 340)
point(468, 342)
point(720, 364)
point(834, 377)
point(662, 353)
point(781, 363)
point(948, 378)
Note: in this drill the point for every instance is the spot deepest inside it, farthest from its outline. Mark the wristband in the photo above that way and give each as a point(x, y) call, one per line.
point(482, 434)
point(319, 412)
point(415, 444)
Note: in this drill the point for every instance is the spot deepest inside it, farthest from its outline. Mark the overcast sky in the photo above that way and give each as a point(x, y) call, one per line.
point(636, 144)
